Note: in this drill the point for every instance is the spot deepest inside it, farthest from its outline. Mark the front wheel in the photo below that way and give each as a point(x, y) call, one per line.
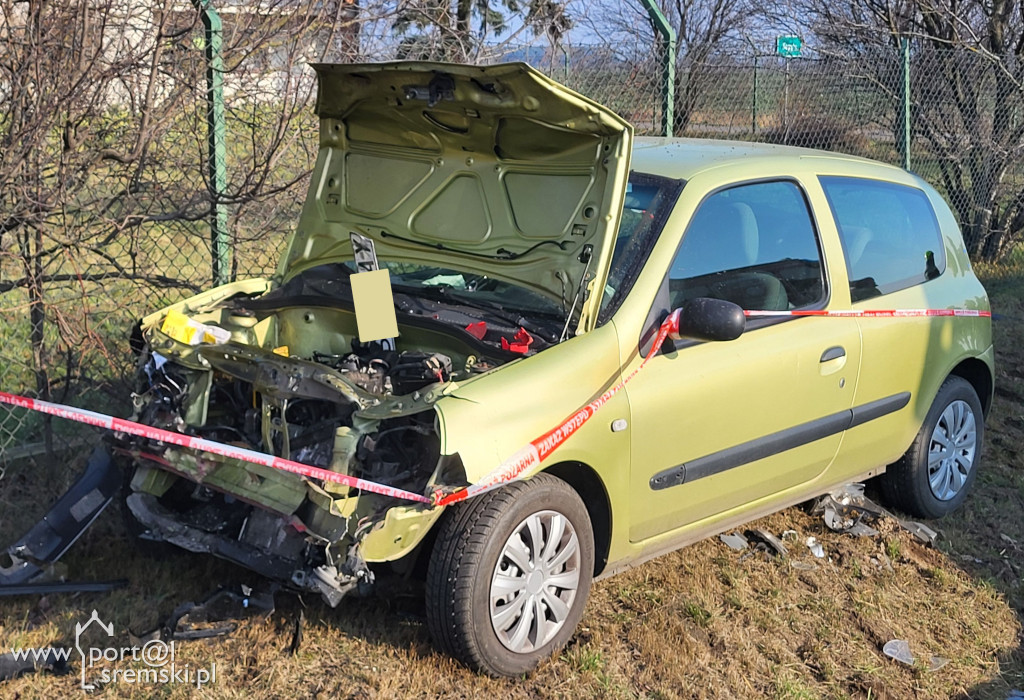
point(933, 477)
point(509, 575)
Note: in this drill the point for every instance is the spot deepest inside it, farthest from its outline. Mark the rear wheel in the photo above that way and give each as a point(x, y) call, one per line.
point(933, 477)
point(509, 575)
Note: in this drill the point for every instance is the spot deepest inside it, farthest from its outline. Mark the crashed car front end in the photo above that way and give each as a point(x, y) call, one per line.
point(491, 195)
point(368, 414)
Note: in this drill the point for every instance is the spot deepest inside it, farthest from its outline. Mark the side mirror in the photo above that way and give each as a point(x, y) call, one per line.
point(708, 319)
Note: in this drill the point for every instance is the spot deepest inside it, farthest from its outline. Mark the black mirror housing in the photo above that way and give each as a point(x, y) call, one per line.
point(709, 319)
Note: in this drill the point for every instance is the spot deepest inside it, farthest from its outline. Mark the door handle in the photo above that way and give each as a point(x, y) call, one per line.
point(833, 353)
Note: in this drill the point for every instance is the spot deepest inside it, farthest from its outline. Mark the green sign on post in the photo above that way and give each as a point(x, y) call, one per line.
point(788, 46)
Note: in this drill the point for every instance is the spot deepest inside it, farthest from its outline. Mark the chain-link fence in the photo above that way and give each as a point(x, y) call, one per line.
point(955, 117)
point(106, 194)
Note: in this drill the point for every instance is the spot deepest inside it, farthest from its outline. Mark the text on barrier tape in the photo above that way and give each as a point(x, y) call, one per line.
point(509, 470)
point(532, 454)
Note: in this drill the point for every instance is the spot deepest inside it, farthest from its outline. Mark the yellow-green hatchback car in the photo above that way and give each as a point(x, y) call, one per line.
point(534, 247)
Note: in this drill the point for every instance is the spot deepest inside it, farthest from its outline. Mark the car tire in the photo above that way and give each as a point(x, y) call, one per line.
point(933, 477)
point(504, 561)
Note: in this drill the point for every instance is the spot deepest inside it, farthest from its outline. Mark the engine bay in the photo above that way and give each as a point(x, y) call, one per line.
point(283, 372)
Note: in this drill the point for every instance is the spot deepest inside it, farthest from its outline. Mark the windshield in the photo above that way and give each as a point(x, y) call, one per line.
point(649, 199)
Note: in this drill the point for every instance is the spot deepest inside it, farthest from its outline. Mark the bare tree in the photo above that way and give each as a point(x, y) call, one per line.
point(103, 187)
point(968, 95)
point(464, 30)
point(705, 30)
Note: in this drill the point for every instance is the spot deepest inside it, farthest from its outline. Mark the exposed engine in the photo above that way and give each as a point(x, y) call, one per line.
point(294, 408)
point(281, 371)
point(287, 414)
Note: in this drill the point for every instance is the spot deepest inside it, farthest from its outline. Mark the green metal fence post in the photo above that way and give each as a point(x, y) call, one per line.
point(905, 123)
point(213, 38)
point(753, 102)
point(668, 68)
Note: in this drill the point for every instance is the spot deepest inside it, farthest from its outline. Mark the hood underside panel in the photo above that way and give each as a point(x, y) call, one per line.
point(496, 170)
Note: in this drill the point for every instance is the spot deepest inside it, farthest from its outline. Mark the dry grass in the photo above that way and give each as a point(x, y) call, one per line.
point(703, 622)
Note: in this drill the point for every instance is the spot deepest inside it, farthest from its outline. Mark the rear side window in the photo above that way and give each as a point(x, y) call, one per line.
point(889, 233)
point(753, 245)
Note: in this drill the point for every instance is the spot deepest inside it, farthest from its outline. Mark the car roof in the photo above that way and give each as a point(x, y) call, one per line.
point(683, 158)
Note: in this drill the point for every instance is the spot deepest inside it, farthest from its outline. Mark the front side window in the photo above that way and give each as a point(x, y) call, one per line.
point(889, 233)
point(754, 245)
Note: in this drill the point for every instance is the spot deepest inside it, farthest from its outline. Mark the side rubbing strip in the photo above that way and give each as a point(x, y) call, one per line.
point(778, 442)
point(877, 409)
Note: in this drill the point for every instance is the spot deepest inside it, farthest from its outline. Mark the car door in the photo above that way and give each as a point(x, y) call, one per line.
point(718, 425)
point(894, 256)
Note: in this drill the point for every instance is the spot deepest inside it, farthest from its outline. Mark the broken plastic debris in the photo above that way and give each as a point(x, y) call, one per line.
point(769, 542)
point(191, 332)
point(735, 541)
point(919, 530)
point(899, 650)
point(803, 565)
point(815, 547)
point(190, 621)
point(844, 510)
point(12, 667)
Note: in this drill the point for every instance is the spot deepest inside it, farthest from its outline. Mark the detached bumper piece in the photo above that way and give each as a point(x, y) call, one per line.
point(69, 517)
point(332, 582)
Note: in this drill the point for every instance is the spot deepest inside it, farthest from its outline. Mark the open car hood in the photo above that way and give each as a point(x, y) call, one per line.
point(496, 170)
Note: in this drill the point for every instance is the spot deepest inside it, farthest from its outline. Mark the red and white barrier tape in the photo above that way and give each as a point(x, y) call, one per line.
point(126, 426)
point(874, 313)
point(533, 453)
point(509, 470)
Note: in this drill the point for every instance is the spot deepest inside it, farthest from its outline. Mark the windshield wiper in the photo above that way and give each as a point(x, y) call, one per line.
point(445, 294)
point(500, 254)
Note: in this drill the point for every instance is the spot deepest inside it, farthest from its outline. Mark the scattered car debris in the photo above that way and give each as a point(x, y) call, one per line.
point(191, 621)
point(44, 587)
point(845, 509)
point(919, 530)
point(300, 621)
point(735, 541)
point(33, 556)
point(768, 542)
point(803, 565)
point(883, 561)
point(899, 650)
point(13, 667)
point(816, 549)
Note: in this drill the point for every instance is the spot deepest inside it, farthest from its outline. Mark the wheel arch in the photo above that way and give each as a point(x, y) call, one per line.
point(586, 482)
point(979, 375)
